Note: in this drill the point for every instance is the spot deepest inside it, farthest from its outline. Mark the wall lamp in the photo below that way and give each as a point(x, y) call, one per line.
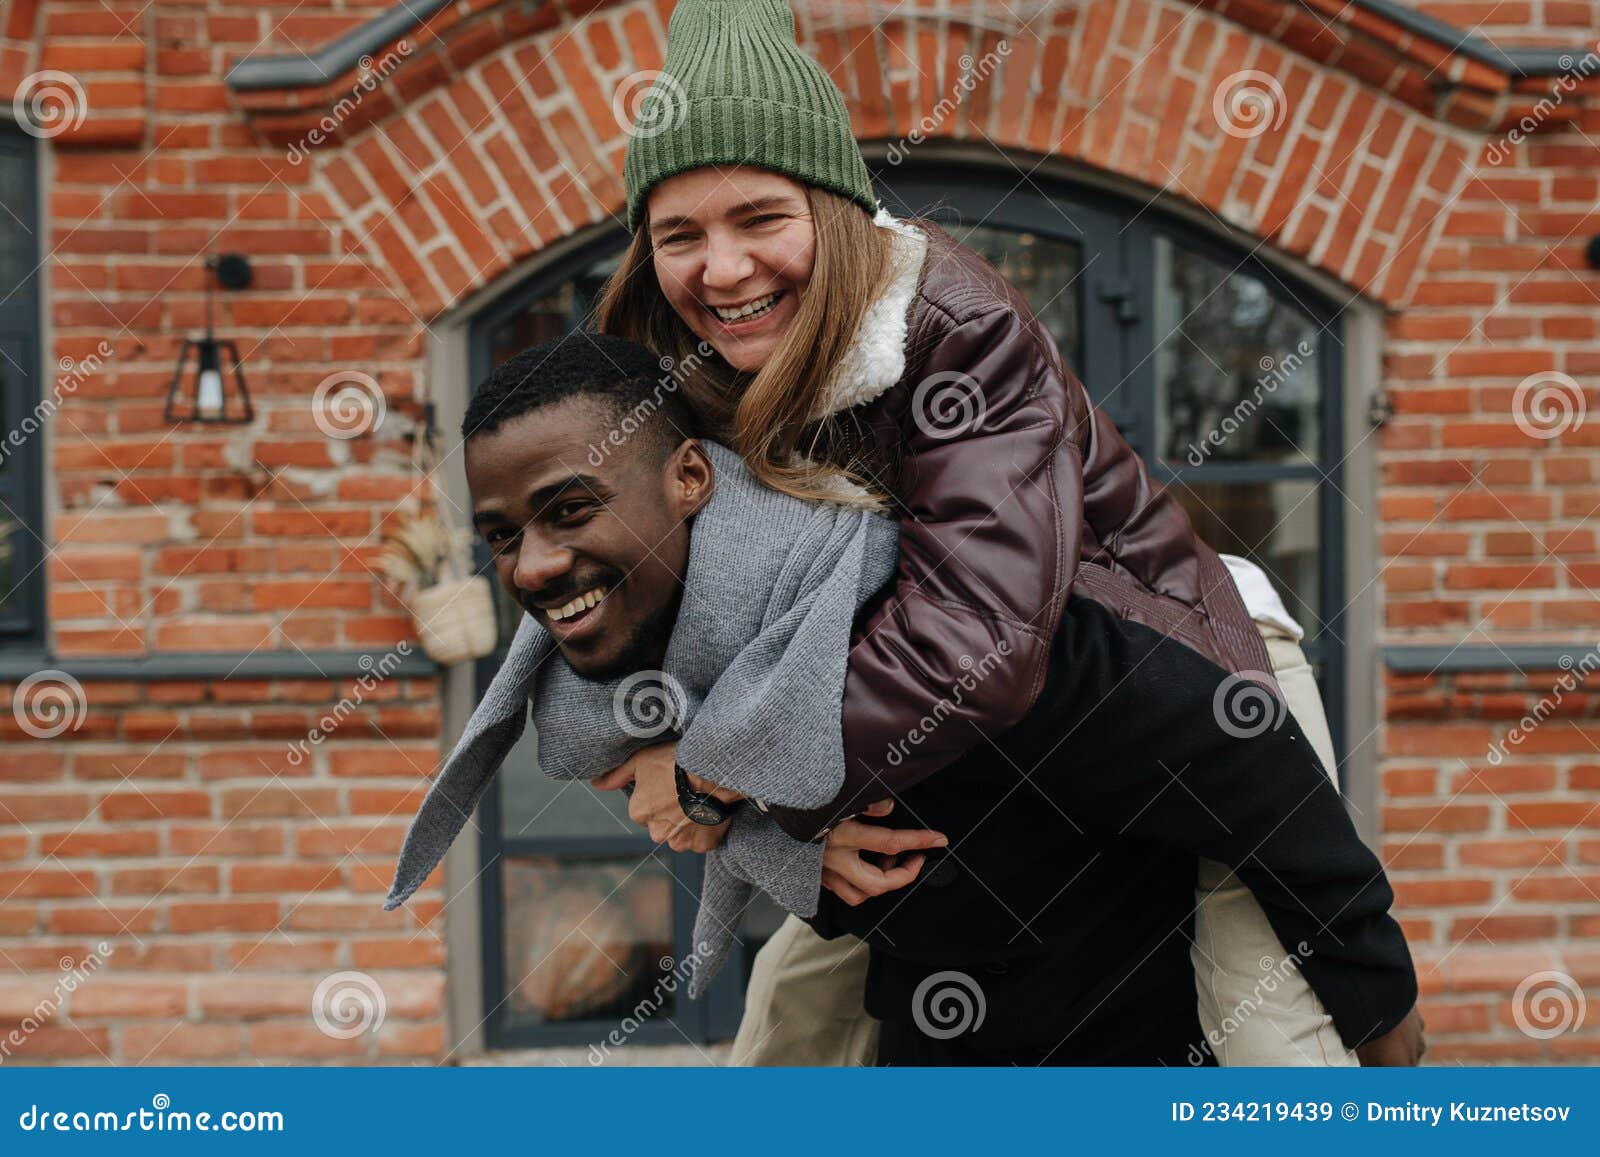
point(199, 390)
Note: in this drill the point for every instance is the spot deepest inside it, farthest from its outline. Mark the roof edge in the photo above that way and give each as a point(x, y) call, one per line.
point(298, 70)
point(1519, 61)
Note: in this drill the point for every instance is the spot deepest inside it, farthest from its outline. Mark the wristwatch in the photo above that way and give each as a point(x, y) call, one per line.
point(700, 806)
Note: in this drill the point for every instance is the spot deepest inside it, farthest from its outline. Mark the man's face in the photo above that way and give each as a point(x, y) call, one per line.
point(596, 552)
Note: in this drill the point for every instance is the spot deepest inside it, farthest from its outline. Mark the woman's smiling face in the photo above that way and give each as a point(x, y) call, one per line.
point(733, 249)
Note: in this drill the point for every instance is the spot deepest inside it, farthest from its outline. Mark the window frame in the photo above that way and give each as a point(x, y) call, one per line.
point(21, 482)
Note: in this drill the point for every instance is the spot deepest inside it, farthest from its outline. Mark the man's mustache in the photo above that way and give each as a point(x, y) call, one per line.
point(554, 597)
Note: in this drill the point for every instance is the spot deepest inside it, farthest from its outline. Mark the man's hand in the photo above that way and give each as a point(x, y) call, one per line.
point(853, 879)
point(1403, 1045)
point(653, 802)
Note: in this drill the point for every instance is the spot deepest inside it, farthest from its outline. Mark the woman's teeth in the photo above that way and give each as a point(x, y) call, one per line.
point(759, 306)
point(581, 603)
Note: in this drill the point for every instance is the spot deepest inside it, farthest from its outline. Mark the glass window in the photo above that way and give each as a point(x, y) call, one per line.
point(18, 242)
point(534, 805)
point(587, 939)
point(551, 314)
point(1236, 366)
point(21, 572)
point(9, 578)
point(1044, 269)
point(1271, 523)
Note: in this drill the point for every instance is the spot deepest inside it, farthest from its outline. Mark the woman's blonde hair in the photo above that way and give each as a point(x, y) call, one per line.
point(771, 416)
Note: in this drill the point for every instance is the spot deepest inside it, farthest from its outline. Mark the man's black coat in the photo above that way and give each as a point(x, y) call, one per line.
point(1067, 891)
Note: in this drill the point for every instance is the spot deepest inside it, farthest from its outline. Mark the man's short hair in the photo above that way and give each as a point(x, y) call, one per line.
point(623, 377)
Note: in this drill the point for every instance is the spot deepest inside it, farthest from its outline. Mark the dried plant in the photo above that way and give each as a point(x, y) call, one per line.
point(425, 551)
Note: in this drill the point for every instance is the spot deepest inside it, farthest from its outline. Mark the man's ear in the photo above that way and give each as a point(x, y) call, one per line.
point(690, 478)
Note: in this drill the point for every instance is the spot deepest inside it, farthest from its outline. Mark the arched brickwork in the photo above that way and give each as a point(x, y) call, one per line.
point(521, 145)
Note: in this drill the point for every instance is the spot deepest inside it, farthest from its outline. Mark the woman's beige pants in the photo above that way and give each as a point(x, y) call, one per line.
point(804, 1003)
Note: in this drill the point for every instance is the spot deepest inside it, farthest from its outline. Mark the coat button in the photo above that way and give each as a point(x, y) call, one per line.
point(997, 968)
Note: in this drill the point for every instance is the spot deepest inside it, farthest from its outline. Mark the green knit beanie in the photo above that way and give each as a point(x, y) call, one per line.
point(737, 90)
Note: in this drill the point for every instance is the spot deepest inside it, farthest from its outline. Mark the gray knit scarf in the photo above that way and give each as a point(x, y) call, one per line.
point(753, 679)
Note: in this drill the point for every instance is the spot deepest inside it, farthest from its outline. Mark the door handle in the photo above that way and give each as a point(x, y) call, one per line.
point(1120, 292)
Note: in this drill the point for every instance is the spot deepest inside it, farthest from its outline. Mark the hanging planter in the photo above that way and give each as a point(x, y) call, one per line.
point(430, 564)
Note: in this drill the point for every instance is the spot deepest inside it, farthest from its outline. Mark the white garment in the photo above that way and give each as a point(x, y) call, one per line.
point(1260, 596)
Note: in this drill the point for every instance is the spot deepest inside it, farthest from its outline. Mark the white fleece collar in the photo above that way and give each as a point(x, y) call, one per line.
point(877, 355)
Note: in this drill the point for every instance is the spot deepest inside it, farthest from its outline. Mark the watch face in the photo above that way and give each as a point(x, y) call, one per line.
point(703, 813)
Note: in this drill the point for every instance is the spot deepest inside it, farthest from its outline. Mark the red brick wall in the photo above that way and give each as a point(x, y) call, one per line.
point(227, 876)
point(495, 137)
point(1492, 837)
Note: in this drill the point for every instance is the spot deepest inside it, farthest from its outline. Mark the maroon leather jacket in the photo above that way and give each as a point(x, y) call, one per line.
point(1038, 499)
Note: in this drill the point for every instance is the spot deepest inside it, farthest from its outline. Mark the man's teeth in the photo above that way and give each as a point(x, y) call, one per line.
point(760, 305)
point(582, 603)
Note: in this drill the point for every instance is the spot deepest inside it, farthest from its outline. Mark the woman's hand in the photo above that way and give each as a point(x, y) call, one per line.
point(853, 879)
point(1402, 1045)
point(653, 801)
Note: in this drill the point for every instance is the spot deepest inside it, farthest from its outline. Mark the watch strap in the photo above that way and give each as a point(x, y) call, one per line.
point(688, 796)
